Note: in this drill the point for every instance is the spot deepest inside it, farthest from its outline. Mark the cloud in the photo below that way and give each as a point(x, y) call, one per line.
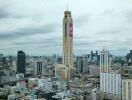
point(24, 43)
point(6, 13)
point(28, 31)
point(111, 31)
point(81, 20)
point(128, 15)
point(45, 43)
point(109, 12)
point(31, 24)
point(3, 13)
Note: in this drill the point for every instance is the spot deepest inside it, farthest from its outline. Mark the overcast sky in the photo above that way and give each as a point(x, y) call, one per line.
point(35, 26)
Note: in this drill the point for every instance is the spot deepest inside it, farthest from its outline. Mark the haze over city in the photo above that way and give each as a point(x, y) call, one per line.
point(35, 26)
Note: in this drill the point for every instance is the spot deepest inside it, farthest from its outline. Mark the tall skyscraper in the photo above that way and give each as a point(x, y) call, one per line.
point(68, 41)
point(104, 61)
point(110, 82)
point(21, 62)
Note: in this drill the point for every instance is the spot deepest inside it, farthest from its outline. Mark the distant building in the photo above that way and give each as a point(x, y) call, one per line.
point(94, 70)
point(14, 67)
point(94, 56)
point(39, 67)
point(45, 84)
point(127, 89)
point(94, 94)
point(61, 72)
point(4, 62)
point(1, 56)
point(79, 65)
point(59, 60)
point(105, 61)
point(10, 61)
point(85, 65)
point(129, 58)
point(21, 62)
point(21, 87)
point(110, 83)
point(19, 76)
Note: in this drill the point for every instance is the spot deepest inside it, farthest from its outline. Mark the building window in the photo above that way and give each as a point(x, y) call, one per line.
point(129, 90)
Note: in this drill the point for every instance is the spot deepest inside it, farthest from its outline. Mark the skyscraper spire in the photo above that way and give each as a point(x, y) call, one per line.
point(67, 5)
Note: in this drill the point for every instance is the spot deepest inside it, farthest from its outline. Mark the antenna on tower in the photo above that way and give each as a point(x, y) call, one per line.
point(67, 5)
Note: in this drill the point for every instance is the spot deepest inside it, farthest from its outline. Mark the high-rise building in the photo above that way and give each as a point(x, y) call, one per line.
point(129, 58)
point(94, 55)
point(1, 56)
point(79, 65)
point(110, 83)
point(39, 67)
point(127, 89)
point(21, 62)
point(68, 41)
point(10, 61)
point(59, 60)
point(85, 65)
point(104, 61)
point(4, 62)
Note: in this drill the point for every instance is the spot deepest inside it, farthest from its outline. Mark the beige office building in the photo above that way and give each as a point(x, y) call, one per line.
point(61, 72)
point(68, 41)
point(127, 89)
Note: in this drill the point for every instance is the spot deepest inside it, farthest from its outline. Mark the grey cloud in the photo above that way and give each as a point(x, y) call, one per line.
point(28, 31)
point(3, 13)
point(6, 11)
point(118, 43)
point(6, 14)
point(111, 31)
point(84, 43)
point(23, 43)
point(81, 20)
point(108, 12)
point(105, 26)
point(128, 16)
point(5, 36)
point(101, 41)
point(80, 38)
point(48, 41)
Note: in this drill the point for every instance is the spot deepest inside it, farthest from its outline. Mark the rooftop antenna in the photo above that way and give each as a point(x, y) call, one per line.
point(104, 48)
point(67, 5)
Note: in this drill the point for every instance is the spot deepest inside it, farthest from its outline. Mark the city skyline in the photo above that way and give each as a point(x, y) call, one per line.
point(36, 26)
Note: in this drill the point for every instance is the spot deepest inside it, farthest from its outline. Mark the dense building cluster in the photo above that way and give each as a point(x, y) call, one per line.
point(94, 76)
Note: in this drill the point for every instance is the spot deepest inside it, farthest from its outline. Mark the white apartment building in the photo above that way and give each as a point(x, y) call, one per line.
point(127, 89)
point(110, 83)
